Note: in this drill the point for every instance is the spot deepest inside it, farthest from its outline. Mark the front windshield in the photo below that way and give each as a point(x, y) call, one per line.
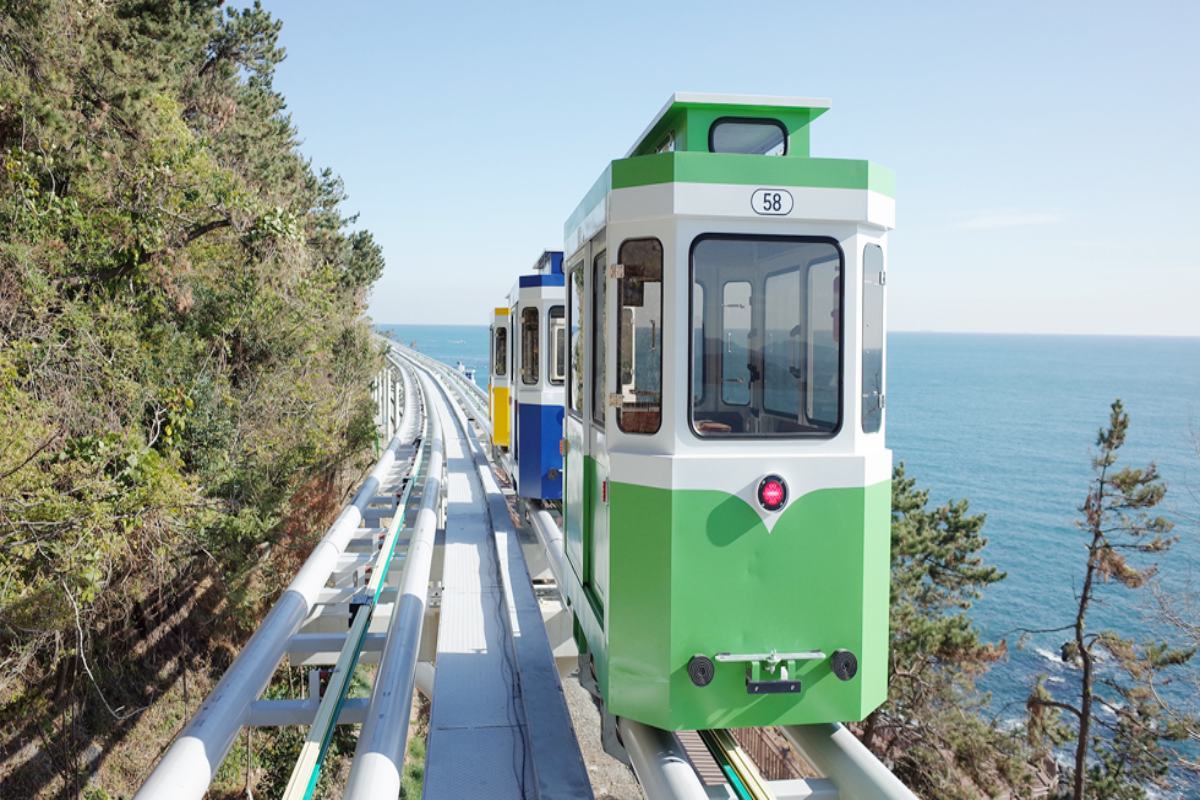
point(766, 360)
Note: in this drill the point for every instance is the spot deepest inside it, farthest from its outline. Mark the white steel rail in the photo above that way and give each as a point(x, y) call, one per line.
point(840, 756)
point(303, 781)
point(379, 756)
point(188, 767)
point(660, 763)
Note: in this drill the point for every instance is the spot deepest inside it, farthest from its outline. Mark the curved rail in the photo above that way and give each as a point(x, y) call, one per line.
point(379, 756)
point(190, 763)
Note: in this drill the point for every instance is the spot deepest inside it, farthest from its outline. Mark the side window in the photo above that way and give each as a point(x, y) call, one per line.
point(529, 346)
point(872, 339)
point(824, 308)
point(759, 137)
point(558, 346)
point(500, 353)
point(698, 343)
point(735, 350)
point(575, 324)
point(639, 336)
point(598, 327)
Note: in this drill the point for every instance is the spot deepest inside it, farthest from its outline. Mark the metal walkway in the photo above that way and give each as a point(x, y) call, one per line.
point(496, 691)
point(477, 704)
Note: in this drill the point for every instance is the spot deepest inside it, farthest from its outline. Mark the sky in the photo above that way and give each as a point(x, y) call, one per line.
point(1047, 155)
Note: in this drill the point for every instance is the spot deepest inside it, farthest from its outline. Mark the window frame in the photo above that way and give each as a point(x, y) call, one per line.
point(749, 311)
point(712, 129)
point(550, 360)
point(499, 358)
point(661, 331)
point(762, 353)
point(881, 410)
point(570, 405)
point(598, 333)
point(691, 356)
point(694, 398)
point(537, 354)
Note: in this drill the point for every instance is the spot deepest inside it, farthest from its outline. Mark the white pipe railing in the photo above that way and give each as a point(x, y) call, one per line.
point(838, 754)
point(379, 756)
point(661, 765)
point(188, 767)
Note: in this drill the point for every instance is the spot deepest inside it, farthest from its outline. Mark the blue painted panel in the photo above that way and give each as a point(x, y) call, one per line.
point(540, 429)
point(543, 280)
point(552, 259)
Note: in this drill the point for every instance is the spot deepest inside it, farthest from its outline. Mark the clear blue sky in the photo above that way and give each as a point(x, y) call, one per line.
point(1047, 154)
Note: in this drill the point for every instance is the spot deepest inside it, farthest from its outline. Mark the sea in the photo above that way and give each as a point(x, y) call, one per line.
point(1009, 423)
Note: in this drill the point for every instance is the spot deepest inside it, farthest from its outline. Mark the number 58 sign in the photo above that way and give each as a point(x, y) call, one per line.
point(773, 202)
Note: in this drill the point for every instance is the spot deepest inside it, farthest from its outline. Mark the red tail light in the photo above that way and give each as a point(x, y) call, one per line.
point(772, 493)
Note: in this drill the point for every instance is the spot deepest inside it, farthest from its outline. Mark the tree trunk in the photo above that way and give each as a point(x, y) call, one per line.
point(1085, 689)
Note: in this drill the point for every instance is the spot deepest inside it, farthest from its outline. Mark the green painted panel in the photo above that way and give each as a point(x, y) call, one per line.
point(697, 572)
point(574, 506)
point(579, 478)
point(596, 533)
point(690, 122)
point(733, 168)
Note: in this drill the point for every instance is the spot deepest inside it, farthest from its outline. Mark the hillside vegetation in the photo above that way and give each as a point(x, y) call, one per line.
point(182, 349)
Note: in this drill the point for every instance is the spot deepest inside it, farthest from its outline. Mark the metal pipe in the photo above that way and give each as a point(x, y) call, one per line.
point(551, 537)
point(189, 765)
point(277, 713)
point(839, 755)
point(379, 756)
point(661, 765)
point(409, 417)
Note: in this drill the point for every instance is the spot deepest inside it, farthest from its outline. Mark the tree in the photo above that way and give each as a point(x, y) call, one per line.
point(932, 728)
point(1182, 612)
point(182, 352)
point(1126, 743)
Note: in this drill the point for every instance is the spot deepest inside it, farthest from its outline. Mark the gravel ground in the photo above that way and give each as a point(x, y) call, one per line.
point(611, 780)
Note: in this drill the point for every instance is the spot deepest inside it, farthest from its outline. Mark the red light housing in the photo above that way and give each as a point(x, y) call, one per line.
point(772, 493)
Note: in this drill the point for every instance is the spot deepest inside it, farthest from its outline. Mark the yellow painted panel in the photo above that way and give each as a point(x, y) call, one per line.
point(499, 413)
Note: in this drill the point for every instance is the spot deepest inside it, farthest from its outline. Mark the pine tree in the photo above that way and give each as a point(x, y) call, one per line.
point(932, 729)
point(1113, 714)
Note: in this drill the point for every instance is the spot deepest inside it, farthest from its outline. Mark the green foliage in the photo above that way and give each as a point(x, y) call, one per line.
point(932, 728)
point(1113, 713)
point(413, 779)
point(181, 334)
